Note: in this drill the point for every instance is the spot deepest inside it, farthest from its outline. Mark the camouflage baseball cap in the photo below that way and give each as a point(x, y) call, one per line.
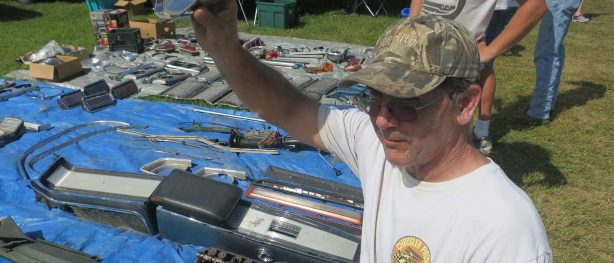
point(416, 54)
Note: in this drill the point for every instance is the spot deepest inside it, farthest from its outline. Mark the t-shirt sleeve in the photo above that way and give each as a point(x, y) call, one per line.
point(340, 131)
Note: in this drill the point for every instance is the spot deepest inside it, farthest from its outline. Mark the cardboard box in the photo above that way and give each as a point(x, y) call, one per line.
point(134, 7)
point(70, 66)
point(152, 28)
point(104, 21)
point(79, 52)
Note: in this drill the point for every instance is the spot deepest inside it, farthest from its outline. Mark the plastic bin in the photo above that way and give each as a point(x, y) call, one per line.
point(276, 13)
point(95, 5)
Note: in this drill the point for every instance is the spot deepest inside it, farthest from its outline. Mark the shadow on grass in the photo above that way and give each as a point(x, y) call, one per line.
point(12, 13)
point(593, 15)
point(515, 51)
point(514, 117)
point(521, 160)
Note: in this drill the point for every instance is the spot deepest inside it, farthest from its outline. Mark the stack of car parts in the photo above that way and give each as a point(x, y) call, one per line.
point(192, 209)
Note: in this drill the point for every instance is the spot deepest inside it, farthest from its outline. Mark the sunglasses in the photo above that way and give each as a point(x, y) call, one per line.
point(400, 110)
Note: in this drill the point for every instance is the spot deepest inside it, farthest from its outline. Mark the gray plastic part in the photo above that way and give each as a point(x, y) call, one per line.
point(212, 93)
point(163, 166)
point(320, 88)
point(17, 247)
point(301, 82)
point(231, 99)
point(253, 227)
point(115, 198)
point(210, 76)
point(35, 127)
point(184, 89)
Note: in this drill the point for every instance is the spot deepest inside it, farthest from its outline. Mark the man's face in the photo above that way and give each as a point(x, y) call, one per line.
point(410, 137)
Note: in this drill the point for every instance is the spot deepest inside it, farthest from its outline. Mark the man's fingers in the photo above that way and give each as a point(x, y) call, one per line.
point(199, 15)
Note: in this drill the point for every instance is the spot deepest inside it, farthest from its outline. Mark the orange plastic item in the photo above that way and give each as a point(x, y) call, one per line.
point(326, 67)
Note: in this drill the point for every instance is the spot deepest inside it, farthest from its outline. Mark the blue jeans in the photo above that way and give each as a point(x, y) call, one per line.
point(550, 56)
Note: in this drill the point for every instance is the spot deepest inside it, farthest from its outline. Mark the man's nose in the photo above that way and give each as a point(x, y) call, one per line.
point(384, 118)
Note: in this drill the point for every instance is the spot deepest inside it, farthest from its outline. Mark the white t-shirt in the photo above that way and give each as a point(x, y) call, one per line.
point(479, 217)
point(473, 14)
point(505, 4)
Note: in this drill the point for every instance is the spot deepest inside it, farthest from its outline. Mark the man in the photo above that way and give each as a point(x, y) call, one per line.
point(429, 194)
point(476, 15)
point(549, 58)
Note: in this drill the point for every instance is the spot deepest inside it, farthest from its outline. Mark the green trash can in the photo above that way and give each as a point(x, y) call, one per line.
point(276, 13)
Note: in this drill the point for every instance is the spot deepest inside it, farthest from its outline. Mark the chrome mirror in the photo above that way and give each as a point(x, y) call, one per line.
point(172, 9)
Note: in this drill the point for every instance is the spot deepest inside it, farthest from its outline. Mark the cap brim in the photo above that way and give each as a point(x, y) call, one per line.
point(394, 79)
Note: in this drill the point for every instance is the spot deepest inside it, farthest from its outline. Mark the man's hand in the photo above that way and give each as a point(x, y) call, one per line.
point(216, 26)
point(486, 55)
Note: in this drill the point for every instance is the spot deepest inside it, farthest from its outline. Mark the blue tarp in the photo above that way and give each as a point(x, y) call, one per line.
point(121, 152)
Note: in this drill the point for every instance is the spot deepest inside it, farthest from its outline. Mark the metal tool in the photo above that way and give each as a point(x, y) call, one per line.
point(187, 66)
point(225, 114)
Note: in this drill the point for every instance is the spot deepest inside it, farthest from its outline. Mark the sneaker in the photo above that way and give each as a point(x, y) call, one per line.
point(483, 144)
point(580, 19)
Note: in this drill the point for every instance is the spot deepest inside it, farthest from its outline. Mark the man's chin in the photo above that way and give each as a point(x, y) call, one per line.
point(397, 158)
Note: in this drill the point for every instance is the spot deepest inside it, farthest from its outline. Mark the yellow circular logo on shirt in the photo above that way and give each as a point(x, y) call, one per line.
point(411, 249)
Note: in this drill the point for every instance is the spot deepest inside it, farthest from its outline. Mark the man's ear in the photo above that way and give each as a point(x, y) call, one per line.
point(468, 103)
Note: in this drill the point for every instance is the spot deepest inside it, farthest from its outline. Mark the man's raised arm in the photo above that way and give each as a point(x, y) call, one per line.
point(528, 15)
point(264, 90)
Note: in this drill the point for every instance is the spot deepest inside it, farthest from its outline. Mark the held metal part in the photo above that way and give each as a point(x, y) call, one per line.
point(169, 9)
point(17, 247)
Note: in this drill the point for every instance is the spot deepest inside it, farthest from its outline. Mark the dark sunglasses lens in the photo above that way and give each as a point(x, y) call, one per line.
point(403, 112)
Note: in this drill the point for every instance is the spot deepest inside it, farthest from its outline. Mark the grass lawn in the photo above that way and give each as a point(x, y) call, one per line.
point(565, 166)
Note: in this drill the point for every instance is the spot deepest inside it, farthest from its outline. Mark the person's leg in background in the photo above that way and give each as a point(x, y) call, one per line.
point(488, 81)
point(579, 15)
point(549, 57)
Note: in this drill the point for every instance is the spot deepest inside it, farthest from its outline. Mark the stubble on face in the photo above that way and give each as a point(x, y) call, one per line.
point(413, 144)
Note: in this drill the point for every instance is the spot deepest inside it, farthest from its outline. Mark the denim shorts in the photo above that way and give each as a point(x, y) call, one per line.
point(499, 20)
